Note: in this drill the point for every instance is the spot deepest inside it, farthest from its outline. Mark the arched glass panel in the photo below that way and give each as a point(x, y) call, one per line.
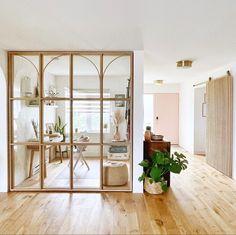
point(116, 77)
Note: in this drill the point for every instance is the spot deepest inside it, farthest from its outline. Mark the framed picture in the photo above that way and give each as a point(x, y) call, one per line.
point(120, 103)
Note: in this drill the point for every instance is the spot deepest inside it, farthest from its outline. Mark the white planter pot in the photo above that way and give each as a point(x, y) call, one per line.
point(154, 188)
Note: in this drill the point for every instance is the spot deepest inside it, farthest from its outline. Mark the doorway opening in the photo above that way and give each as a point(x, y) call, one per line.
point(161, 112)
point(200, 121)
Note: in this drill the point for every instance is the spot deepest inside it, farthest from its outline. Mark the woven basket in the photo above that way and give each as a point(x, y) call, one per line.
point(154, 188)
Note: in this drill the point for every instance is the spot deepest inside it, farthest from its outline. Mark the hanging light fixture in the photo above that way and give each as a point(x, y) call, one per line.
point(185, 64)
point(158, 82)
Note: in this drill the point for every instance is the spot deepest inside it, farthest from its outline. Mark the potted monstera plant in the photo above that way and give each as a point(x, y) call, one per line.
point(157, 166)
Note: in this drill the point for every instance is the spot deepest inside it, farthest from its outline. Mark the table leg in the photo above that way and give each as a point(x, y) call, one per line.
point(60, 152)
point(31, 163)
point(50, 155)
point(45, 166)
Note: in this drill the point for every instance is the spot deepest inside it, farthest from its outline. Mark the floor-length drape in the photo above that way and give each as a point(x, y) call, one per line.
point(219, 124)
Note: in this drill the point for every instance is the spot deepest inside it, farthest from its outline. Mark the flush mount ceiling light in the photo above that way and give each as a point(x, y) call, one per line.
point(185, 64)
point(158, 82)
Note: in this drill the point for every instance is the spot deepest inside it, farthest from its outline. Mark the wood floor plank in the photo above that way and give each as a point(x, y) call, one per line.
point(201, 200)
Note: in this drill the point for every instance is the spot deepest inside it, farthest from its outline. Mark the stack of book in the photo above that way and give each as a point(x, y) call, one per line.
point(118, 152)
point(118, 149)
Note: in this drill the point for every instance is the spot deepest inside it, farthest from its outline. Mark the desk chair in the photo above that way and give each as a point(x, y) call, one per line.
point(80, 149)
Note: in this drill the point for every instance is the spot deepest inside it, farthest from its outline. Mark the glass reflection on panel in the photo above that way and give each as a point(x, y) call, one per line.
point(117, 76)
point(56, 118)
point(26, 76)
point(56, 76)
point(86, 166)
point(116, 121)
point(25, 121)
point(26, 166)
point(116, 166)
point(86, 76)
point(57, 160)
point(86, 120)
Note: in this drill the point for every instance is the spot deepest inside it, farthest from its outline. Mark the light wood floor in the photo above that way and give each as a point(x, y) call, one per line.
point(58, 176)
point(200, 201)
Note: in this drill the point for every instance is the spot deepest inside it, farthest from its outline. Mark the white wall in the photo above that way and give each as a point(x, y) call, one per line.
point(186, 118)
point(138, 120)
point(187, 112)
point(199, 121)
point(148, 119)
point(3, 122)
point(163, 88)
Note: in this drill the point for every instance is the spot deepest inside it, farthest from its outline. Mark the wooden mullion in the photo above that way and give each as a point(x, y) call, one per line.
point(71, 122)
point(41, 112)
point(101, 121)
point(87, 144)
point(10, 122)
point(116, 99)
point(131, 116)
point(65, 190)
point(86, 99)
point(52, 53)
point(56, 98)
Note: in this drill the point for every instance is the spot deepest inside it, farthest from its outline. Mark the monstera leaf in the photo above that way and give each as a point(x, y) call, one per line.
point(156, 174)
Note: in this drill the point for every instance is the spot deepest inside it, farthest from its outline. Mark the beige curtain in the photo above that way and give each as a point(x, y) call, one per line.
point(219, 124)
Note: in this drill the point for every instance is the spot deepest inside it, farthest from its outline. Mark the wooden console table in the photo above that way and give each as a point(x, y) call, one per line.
point(150, 146)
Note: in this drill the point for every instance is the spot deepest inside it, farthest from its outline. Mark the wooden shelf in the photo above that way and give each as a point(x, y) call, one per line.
point(36, 105)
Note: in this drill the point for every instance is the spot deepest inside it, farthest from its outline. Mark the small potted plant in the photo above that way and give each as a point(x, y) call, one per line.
point(155, 169)
point(60, 128)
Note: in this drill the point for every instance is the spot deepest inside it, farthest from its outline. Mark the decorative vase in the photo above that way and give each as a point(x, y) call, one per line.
point(116, 134)
point(148, 134)
point(154, 188)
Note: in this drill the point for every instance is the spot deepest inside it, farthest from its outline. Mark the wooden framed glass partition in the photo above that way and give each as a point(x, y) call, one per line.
point(70, 121)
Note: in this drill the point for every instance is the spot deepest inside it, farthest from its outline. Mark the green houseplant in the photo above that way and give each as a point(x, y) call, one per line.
point(60, 127)
point(157, 166)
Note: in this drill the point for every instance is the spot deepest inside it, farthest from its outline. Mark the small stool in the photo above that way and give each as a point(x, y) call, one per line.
point(115, 173)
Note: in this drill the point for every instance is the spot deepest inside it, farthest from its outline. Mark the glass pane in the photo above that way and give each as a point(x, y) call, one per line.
point(26, 166)
point(56, 121)
point(56, 76)
point(86, 166)
point(86, 119)
point(116, 79)
point(25, 121)
point(26, 76)
point(57, 173)
point(86, 77)
point(116, 121)
point(116, 166)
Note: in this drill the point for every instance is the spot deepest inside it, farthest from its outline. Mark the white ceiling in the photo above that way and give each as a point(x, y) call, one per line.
point(167, 30)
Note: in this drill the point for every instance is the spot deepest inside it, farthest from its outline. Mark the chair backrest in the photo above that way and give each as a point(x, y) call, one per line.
point(84, 139)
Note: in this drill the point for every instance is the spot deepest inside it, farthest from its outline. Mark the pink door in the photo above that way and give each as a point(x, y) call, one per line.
point(166, 116)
